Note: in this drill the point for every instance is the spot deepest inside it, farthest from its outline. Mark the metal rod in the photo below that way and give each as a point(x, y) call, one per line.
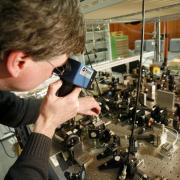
point(166, 43)
point(139, 75)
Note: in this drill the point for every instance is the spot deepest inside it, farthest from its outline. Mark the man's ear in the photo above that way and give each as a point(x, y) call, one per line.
point(15, 63)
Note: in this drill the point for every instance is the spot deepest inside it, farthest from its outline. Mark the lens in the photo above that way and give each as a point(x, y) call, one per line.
point(61, 69)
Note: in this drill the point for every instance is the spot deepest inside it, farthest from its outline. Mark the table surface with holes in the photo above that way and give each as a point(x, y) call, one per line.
point(154, 164)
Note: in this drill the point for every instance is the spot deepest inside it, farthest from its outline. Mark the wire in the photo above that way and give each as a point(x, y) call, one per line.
point(10, 156)
point(5, 151)
point(177, 134)
point(89, 60)
point(10, 130)
point(98, 88)
point(131, 141)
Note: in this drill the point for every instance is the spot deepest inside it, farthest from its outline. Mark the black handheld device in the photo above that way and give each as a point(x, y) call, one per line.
point(74, 74)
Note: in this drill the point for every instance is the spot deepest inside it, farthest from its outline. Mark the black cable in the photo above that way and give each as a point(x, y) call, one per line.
point(99, 91)
point(11, 131)
point(10, 156)
point(131, 140)
point(89, 60)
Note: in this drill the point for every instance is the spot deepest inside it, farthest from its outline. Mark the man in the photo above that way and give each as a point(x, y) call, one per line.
point(35, 37)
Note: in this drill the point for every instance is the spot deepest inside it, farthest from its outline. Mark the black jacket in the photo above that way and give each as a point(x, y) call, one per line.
point(32, 164)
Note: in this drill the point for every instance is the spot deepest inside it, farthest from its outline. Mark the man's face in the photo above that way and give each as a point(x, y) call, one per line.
point(35, 73)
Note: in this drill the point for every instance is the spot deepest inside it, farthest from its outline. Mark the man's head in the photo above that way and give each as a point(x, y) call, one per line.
point(32, 32)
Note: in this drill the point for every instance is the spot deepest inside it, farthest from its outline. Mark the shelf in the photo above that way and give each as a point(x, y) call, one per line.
point(89, 32)
point(103, 31)
point(96, 42)
point(128, 10)
point(109, 64)
point(99, 52)
point(93, 5)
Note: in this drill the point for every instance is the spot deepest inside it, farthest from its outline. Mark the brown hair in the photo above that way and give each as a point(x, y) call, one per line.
point(41, 28)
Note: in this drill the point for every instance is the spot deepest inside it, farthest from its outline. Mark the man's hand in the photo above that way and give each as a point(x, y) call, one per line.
point(56, 110)
point(89, 106)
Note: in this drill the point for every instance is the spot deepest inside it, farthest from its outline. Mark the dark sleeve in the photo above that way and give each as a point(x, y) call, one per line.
point(32, 164)
point(16, 111)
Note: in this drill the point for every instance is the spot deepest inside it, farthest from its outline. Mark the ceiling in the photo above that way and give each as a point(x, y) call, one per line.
point(129, 9)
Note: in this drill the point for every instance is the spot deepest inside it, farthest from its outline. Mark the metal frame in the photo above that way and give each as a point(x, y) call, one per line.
point(112, 63)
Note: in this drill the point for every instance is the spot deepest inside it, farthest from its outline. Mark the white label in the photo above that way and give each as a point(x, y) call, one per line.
point(117, 158)
point(93, 134)
point(54, 160)
point(86, 72)
point(99, 123)
point(75, 131)
point(69, 133)
point(161, 111)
